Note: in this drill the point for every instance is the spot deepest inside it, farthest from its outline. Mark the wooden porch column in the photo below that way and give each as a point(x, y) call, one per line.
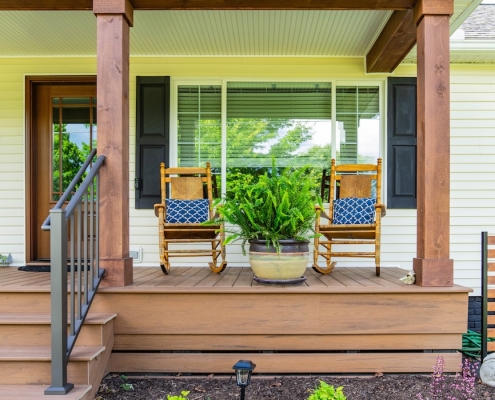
point(433, 266)
point(114, 17)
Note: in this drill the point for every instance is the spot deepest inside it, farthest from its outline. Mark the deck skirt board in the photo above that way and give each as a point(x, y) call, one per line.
point(286, 342)
point(283, 363)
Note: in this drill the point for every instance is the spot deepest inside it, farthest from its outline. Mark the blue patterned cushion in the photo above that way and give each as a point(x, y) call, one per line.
point(187, 211)
point(353, 210)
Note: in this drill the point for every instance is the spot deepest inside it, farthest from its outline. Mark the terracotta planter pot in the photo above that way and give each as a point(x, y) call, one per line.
point(290, 263)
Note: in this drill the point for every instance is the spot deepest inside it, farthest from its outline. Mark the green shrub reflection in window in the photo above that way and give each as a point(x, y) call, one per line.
point(287, 121)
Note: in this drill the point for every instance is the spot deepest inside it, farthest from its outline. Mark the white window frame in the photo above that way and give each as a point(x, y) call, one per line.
point(176, 82)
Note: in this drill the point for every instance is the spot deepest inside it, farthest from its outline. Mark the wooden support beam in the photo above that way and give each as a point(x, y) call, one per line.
point(123, 7)
point(113, 142)
point(214, 4)
point(393, 44)
point(33, 5)
point(432, 7)
point(433, 266)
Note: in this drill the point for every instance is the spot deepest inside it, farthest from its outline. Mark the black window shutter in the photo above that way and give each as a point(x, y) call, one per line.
point(152, 136)
point(401, 143)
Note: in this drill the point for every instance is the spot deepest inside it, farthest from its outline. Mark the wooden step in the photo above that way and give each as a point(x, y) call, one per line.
point(30, 365)
point(36, 392)
point(35, 329)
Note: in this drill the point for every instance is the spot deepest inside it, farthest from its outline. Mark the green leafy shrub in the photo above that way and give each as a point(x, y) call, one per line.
point(327, 392)
point(127, 386)
point(270, 207)
point(182, 396)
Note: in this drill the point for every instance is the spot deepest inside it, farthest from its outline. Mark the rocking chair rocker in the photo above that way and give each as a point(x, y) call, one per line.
point(180, 216)
point(354, 215)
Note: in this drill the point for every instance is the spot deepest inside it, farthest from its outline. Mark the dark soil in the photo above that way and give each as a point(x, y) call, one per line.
point(382, 387)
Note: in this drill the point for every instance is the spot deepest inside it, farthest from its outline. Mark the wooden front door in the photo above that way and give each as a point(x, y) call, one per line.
point(63, 133)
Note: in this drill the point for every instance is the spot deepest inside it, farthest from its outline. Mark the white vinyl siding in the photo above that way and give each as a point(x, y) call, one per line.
point(472, 199)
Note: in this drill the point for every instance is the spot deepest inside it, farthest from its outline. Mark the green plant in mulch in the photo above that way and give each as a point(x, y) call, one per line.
point(126, 386)
point(182, 396)
point(327, 392)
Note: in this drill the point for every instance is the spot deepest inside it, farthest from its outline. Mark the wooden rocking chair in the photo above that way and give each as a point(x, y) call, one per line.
point(180, 216)
point(354, 214)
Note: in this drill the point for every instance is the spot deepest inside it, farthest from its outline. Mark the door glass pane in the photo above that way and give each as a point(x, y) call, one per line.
point(73, 138)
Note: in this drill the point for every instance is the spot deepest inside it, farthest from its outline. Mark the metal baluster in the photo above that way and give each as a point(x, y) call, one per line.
point(91, 235)
point(79, 263)
point(72, 243)
point(97, 228)
point(85, 247)
point(484, 294)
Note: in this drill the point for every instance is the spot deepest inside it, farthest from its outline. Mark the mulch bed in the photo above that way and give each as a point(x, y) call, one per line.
point(379, 387)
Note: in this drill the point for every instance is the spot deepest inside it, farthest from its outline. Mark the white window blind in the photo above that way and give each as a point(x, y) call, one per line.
point(358, 121)
point(199, 125)
point(290, 121)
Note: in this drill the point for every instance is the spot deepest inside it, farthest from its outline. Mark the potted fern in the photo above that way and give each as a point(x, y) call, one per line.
point(275, 214)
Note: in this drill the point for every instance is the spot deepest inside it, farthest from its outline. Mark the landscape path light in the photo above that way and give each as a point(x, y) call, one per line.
point(243, 370)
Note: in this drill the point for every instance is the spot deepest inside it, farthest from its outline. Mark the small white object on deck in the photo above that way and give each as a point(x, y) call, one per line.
point(410, 278)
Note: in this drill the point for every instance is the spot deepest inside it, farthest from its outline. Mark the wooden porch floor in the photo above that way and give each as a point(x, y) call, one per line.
point(341, 279)
point(195, 321)
point(348, 280)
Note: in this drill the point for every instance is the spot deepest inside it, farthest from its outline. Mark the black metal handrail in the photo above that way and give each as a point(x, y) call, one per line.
point(484, 295)
point(75, 227)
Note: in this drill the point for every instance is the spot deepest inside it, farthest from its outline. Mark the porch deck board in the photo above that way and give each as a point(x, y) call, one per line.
point(195, 276)
point(342, 279)
point(193, 320)
point(245, 278)
point(228, 277)
point(171, 280)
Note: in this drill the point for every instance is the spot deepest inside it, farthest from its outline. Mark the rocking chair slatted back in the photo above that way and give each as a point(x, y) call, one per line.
point(186, 188)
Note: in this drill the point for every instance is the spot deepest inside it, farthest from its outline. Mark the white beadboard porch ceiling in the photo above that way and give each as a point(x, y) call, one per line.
point(197, 33)
point(200, 33)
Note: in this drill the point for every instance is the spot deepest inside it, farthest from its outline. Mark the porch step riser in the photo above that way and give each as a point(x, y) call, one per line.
point(39, 373)
point(36, 392)
point(25, 303)
point(40, 335)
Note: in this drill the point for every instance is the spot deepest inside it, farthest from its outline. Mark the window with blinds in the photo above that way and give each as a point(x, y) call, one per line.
point(358, 124)
point(288, 121)
point(199, 125)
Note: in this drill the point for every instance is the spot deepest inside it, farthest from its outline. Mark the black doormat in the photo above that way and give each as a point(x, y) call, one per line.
point(42, 268)
point(35, 268)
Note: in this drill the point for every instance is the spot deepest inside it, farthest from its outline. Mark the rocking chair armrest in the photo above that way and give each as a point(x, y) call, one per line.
point(383, 209)
point(321, 212)
point(157, 208)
